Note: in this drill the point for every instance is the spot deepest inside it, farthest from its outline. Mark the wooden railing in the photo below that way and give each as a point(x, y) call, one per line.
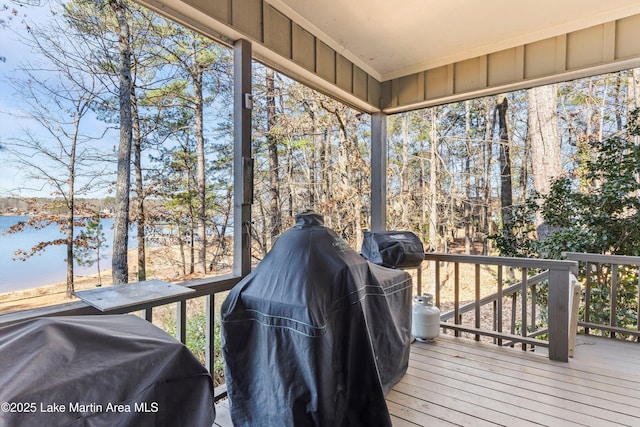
point(554, 273)
point(207, 287)
point(557, 277)
point(603, 273)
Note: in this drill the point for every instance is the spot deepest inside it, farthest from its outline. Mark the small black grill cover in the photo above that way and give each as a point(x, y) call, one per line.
point(116, 370)
point(315, 335)
point(393, 249)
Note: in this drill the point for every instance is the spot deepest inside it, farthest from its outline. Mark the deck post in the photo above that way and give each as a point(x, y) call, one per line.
point(210, 316)
point(559, 315)
point(378, 172)
point(242, 161)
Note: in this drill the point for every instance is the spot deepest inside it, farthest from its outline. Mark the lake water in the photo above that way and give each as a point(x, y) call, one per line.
point(49, 266)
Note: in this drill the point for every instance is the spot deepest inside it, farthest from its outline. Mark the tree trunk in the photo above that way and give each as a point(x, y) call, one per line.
point(140, 213)
point(433, 176)
point(467, 180)
point(70, 287)
point(272, 143)
point(290, 179)
point(423, 191)
point(71, 208)
point(183, 257)
point(225, 221)
point(544, 140)
point(404, 174)
point(120, 264)
point(325, 159)
point(633, 95)
point(506, 193)
point(192, 239)
point(312, 166)
point(619, 103)
point(487, 151)
point(200, 172)
point(633, 89)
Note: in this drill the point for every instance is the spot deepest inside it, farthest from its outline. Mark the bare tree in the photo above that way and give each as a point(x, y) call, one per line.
point(544, 138)
point(487, 160)
point(58, 96)
point(120, 262)
point(506, 192)
point(633, 88)
point(467, 178)
point(434, 167)
point(272, 145)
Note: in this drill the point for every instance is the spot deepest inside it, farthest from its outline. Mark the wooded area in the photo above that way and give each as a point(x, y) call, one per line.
point(457, 173)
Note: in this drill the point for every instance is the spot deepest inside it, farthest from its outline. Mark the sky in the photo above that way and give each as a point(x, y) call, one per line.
point(17, 19)
point(13, 52)
point(13, 177)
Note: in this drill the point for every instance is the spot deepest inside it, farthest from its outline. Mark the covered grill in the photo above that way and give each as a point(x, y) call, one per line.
point(316, 335)
point(393, 249)
point(111, 370)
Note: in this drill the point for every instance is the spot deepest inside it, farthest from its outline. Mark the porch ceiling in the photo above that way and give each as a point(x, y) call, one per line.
point(394, 56)
point(391, 39)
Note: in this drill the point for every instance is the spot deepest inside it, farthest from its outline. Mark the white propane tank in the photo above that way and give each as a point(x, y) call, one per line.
point(425, 322)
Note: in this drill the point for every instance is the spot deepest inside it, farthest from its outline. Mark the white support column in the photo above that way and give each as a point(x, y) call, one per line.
point(378, 172)
point(242, 161)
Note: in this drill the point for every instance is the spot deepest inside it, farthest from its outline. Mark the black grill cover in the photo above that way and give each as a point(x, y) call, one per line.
point(393, 249)
point(315, 335)
point(122, 369)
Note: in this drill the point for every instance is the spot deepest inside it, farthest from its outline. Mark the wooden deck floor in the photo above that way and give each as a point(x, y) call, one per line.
point(456, 381)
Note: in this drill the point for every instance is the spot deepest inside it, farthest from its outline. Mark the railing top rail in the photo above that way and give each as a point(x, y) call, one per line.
point(202, 287)
point(545, 264)
point(602, 259)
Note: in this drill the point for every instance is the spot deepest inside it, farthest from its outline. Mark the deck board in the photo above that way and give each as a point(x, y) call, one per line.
point(542, 372)
point(457, 381)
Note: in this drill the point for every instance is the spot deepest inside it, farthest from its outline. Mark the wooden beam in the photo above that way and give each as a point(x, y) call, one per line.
point(378, 172)
point(242, 161)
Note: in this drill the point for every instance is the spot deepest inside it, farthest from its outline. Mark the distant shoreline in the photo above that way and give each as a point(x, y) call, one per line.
point(30, 215)
point(30, 206)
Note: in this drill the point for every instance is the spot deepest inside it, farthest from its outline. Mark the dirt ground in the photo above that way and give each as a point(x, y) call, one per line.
point(55, 293)
point(159, 266)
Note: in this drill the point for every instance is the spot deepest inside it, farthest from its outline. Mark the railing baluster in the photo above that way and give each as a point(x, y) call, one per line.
point(437, 282)
point(534, 298)
point(523, 306)
point(456, 296)
point(614, 297)
point(210, 353)
point(148, 314)
point(587, 298)
point(499, 300)
point(477, 302)
point(495, 319)
point(514, 310)
point(638, 306)
point(181, 321)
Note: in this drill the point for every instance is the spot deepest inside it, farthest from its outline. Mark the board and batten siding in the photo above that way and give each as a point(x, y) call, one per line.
point(319, 62)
